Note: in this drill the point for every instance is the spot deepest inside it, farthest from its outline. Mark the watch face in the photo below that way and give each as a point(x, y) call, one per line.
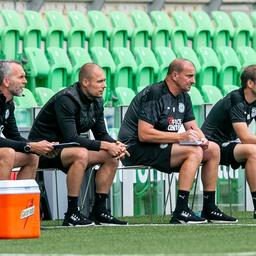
point(27, 148)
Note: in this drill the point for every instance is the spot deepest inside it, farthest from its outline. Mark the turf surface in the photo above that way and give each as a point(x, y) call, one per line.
point(141, 239)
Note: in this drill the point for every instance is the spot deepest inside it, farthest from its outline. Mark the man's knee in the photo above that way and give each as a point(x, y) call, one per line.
point(7, 155)
point(213, 151)
point(196, 153)
point(80, 155)
point(33, 160)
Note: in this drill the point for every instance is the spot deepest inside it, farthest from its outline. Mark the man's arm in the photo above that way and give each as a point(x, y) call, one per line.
point(243, 133)
point(147, 133)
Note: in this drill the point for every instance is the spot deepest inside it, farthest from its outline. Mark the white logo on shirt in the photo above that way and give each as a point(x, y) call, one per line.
point(7, 113)
point(181, 107)
point(253, 114)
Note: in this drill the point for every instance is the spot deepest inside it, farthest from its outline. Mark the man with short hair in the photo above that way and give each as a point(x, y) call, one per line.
point(15, 151)
point(227, 125)
point(150, 131)
point(69, 113)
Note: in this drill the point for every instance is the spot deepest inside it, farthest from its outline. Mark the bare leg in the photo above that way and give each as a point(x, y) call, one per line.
point(211, 159)
point(189, 159)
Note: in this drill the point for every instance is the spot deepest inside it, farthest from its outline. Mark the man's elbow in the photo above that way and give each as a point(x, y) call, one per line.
point(143, 137)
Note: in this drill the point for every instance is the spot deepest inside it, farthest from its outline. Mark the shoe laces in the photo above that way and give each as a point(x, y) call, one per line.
point(106, 213)
point(77, 215)
point(216, 211)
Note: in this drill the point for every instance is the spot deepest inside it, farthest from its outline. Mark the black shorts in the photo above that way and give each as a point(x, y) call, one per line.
point(55, 162)
point(148, 154)
point(227, 155)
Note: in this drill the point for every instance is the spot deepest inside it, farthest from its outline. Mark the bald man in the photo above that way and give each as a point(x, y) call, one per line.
point(150, 131)
point(71, 112)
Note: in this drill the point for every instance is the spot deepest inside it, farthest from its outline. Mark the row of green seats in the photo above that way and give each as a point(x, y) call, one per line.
point(118, 29)
point(25, 105)
point(129, 72)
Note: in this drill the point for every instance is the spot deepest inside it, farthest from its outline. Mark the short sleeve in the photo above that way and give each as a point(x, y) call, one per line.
point(189, 114)
point(149, 109)
point(237, 113)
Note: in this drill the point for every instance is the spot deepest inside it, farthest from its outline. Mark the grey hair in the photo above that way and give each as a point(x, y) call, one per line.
point(5, 68)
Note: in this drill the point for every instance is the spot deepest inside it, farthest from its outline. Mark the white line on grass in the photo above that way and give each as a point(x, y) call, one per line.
point(161, 254)
point(152, 225)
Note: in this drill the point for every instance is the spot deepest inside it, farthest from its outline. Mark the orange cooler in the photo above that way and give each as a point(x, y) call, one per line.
point(19, 209)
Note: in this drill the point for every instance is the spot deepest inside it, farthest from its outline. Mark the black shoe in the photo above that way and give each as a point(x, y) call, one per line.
point(187, 216)
point(103, 217)
point(217, 216)
point(76, 219)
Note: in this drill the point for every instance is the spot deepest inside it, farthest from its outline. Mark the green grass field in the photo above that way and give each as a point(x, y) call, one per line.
point(142, 238)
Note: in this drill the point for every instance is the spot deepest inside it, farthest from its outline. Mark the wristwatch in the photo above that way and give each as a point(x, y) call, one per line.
point(27, 148)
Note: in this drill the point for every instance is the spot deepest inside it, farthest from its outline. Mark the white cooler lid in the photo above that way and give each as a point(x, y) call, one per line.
point(18, 187)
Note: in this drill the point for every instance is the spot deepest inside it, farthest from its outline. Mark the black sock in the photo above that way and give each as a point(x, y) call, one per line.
point(100, 200)
point(254, 199)
point(209, 200)
point(182, 200)
point(72, 203)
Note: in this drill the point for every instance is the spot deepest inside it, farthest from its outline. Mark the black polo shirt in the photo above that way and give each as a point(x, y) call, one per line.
point(159, 107)
point(233, 108)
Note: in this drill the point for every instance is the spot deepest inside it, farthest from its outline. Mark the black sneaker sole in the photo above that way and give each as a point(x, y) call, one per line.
point(177, 221)
point(111, 224)
point(71, 225)
point(222, 221)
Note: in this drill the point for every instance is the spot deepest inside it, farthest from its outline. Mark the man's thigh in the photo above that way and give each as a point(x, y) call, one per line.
point(149, 154)
point(242, 151)
point(22, 159)
point(228, 155)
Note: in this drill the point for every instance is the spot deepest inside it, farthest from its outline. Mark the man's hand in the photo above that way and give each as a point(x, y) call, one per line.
point(41, 147)
point(190, 135)
point(116, 150)
point(205, 143)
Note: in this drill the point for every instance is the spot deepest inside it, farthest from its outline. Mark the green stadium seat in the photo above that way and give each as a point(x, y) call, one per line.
point(147, 68)
point(164, 56)
point(208, 77)
point(60, 68)
point(35, 29)
point(183, 30)
point(208, 91)
point(230, 69)
point(80, 29)
point(27, 101)
point(121, 31)
point(197, 103)
point(243, 29)
point(142, 31)
point(37, 68)
point(78, 57)
point(210, 66)
point(126, 68)
point(101, 29)
point(42, 95)
point(189, 54)
point(203, 29)
point(11, 28)
point(162, 29)
point(103, 58)
point(211, 94)
point(246, 55)
point(24, 108)
point(223, 29)
point(57, 29)
point(253, 20)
